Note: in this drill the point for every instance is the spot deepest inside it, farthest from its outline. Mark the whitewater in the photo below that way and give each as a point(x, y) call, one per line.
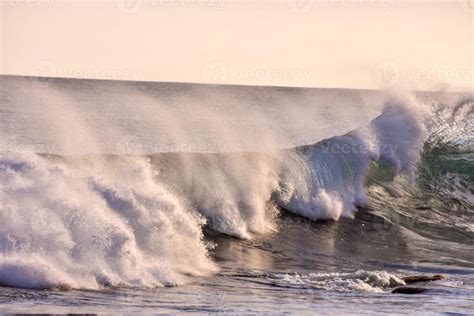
point(187, 197)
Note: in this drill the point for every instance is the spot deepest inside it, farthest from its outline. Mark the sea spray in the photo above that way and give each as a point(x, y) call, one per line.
point(337, 166)
point(92, 223)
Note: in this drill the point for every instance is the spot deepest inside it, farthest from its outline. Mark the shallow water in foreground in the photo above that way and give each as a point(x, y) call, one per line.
point(304, 267)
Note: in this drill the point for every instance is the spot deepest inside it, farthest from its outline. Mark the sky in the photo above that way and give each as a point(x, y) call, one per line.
point(375, 44)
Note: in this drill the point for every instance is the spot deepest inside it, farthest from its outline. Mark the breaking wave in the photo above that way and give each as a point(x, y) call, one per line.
point(85, 221)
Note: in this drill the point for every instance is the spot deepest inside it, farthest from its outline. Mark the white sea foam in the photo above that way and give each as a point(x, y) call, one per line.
point(89, 223)
point(361, 281)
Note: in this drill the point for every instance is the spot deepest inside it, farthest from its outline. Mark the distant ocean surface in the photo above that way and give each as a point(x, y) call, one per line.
point(139, 197)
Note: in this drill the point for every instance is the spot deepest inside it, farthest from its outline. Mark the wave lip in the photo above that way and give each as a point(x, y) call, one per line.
point(336, 168)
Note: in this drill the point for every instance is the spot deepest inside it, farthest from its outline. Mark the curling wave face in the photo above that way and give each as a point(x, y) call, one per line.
point(84, 221)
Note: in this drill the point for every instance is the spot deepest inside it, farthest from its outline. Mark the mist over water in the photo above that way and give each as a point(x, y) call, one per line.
point(70, 116)
point(111, 183)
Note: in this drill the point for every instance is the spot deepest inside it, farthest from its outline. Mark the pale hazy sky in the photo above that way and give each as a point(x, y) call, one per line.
point(314, 43)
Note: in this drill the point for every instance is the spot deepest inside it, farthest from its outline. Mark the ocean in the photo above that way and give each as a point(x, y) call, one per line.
point(154, 197)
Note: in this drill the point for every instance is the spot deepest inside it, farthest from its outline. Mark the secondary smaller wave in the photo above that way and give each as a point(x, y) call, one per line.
point(360, 281)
